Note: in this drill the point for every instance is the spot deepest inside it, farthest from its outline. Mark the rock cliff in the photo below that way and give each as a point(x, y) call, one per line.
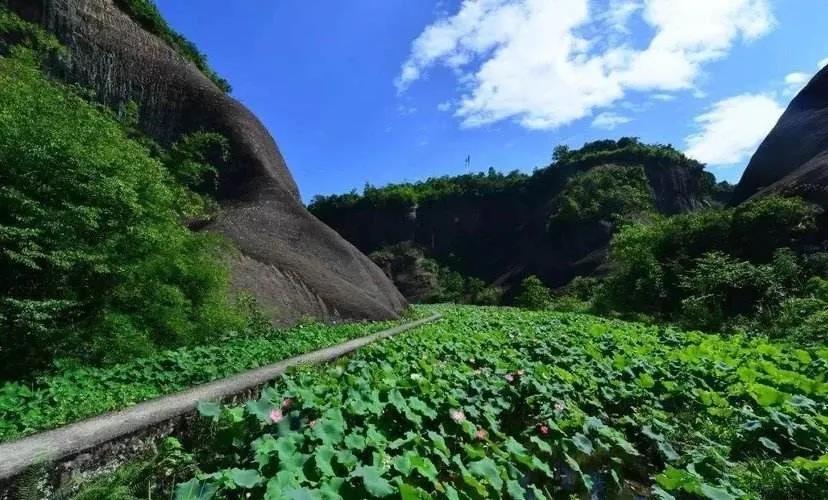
point(504, 235)
point(793, 159)
point(293, 264)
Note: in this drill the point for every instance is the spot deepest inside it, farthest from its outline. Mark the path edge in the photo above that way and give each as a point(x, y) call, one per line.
point(80, 438)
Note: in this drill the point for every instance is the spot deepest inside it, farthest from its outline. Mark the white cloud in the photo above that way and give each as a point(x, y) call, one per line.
point(609, 120)
point(794, 82)
point(663, 97)
point(797, 78)
point(546, 63)
point(444, 106)
point(731, 129)
point(822, 63)
point(619, 13)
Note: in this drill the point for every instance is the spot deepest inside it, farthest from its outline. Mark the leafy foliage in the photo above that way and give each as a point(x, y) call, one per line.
point(603, 193)
point(83, 391)
point(145, 13)
point(415, 274)
point(495, 402)
point(16, 33)
point(533, 294)
point(628, 151)
point(94, 262)
point(717, 268)
point(405, 196)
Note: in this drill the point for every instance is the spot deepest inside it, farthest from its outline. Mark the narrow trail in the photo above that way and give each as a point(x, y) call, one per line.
point(70, 440)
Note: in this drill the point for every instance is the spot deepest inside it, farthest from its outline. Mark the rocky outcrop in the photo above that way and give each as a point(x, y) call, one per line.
point(292, 263)
point(793, 159)
point(416, 276)
point(503, 237)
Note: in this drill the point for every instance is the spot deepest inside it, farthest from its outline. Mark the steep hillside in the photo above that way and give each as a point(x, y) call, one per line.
point(294, 265)
point(501, 228)
point(793, 159)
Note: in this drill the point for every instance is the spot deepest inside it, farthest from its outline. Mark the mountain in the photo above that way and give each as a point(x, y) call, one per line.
point(294, 265)
point(555, 223)
point(793, 159)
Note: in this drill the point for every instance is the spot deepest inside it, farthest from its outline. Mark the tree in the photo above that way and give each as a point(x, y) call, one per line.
point(533, 294)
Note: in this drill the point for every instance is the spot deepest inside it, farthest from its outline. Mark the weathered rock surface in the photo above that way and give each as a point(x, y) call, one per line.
point(503, 237)
point(292, 263)
point(793, 159)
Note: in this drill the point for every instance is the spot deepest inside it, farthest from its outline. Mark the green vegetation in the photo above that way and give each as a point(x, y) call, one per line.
point(533, 294)
point(625, 151)
point(608, 192)
point(459, 289)
point(722, 269)
point(15, 32)
point(424, 280)
point(95, 264)
point(145, 13)
point(495, 402)
point(82, 391)
point(405, 196)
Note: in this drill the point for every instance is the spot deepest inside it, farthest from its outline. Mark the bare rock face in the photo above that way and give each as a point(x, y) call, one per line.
point(793, 159)
point(293, 264)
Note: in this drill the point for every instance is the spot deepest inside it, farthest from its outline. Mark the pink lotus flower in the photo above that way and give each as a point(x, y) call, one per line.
point(543, 429)
point(287, 404)
point(481, 433)
point(276, 416)
point(509, 377)
point(457, 415)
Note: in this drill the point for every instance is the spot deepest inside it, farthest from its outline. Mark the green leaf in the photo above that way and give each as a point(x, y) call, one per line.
point(515, 490)
point(646, 381)
point(487, 469)
point(323, 455)
point(261, 409)
point(195, 490)
point(355, 442)
point(767, 443)
point(374, 483)
point(583, 444)
point(766, 395)
point(714, 493)
point(245, 478)
point(209, 409)
point(300, 494)
point(330, 428)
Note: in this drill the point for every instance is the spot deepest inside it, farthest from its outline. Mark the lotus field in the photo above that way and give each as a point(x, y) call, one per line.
point(498, 402)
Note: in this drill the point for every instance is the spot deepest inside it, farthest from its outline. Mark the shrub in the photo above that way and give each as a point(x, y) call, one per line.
point(603, 193)
point(712, 269)
point(94, 263)
point(805, 319)
point(533, 294)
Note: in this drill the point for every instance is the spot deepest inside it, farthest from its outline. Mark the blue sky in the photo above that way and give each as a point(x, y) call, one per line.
point(386, 91)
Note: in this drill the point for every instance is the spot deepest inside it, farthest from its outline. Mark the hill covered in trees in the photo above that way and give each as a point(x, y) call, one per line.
point(555, 223)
